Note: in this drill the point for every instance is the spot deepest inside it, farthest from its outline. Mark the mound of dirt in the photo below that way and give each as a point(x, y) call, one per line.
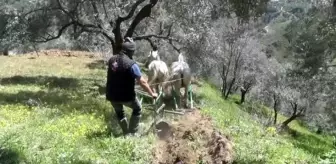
point(193, 139)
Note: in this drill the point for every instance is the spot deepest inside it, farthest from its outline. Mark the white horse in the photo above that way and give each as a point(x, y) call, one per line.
point(181, 78)
point(158, 71)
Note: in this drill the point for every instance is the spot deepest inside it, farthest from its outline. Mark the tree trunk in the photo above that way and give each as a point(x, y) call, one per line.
point(224, 79)
point(242, 99)
point(229, 89)
point(289, 120)
point(6, 52)
point(275, 108)
point(223, 88)
point(275, 116)
point(115, 49)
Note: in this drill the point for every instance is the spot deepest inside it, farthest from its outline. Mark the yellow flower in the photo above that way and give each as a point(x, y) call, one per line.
point(271, 130)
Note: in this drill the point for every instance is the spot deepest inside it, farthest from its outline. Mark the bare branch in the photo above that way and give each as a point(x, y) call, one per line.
point(175, 48)
point(160, 36)
point(161, 28)
point(143, 13)
point(116, 30)
point(60, 32)
point(63, 9)
point(102, 33)
point(301, 111)
point(294, 107)
point(131, 13)
point(105, 11)
point(150, 42)
point(96, 13)
point(153, 36)
point(39, 9)
point(114, 12)
point(167, 37)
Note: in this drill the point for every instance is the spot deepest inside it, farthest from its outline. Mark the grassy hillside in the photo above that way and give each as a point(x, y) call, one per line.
point(53, 110)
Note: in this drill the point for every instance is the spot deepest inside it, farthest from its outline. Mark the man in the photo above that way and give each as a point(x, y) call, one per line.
point(121, 74)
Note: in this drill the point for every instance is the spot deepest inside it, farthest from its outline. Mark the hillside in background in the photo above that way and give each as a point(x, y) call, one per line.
point(53, 110)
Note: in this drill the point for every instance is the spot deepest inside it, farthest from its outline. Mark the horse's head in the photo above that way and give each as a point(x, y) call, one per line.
point(153, 55)
point(180, 57)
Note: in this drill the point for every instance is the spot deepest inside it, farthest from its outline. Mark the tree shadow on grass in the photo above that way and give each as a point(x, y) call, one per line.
point(50, 98)
point(8, 156)
point(49, 81)
point(97, 64)
point(310, 143)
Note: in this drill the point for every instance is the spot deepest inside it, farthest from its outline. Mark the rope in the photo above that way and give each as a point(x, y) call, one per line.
point(137, 88)
point(167, 81)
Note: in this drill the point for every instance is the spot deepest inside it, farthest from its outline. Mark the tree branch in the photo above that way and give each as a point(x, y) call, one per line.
point(301, 111)
point(131, 13)
point(59, 33)
point(63, 9)
point(96, 14)
point(151, 43)
point(105, 11)
point(143, 13)
point(160, 36)
point(39, 9)
point(294, 107)
point(117, 30)
point(153, 36)
point(102, 33)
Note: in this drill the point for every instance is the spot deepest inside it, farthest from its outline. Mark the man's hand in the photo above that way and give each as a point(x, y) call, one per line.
point(154, 95)
point(143, 83)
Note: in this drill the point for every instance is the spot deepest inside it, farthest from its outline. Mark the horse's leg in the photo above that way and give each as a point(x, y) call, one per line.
point(177, 96)
point(186, 96)
point(180, 98)
point(158, 88)
point(178, 90)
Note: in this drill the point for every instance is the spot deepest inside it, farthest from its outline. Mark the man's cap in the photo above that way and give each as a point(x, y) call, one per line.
point(128, 45)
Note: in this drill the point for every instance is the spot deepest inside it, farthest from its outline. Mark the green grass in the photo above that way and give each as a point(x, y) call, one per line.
point(70, 125)
point(71, 122)
point(257, 144)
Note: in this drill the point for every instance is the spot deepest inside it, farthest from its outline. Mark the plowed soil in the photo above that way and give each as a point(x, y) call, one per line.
point(193, 139)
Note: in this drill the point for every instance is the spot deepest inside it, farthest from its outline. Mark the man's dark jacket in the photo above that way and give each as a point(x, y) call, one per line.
point(120, 81)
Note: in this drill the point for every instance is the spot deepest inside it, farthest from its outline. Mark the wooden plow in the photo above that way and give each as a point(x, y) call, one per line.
point(160, 127)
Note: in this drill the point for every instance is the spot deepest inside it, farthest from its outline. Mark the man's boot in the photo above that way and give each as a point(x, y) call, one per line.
point(124, 126)
point(134, 124)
